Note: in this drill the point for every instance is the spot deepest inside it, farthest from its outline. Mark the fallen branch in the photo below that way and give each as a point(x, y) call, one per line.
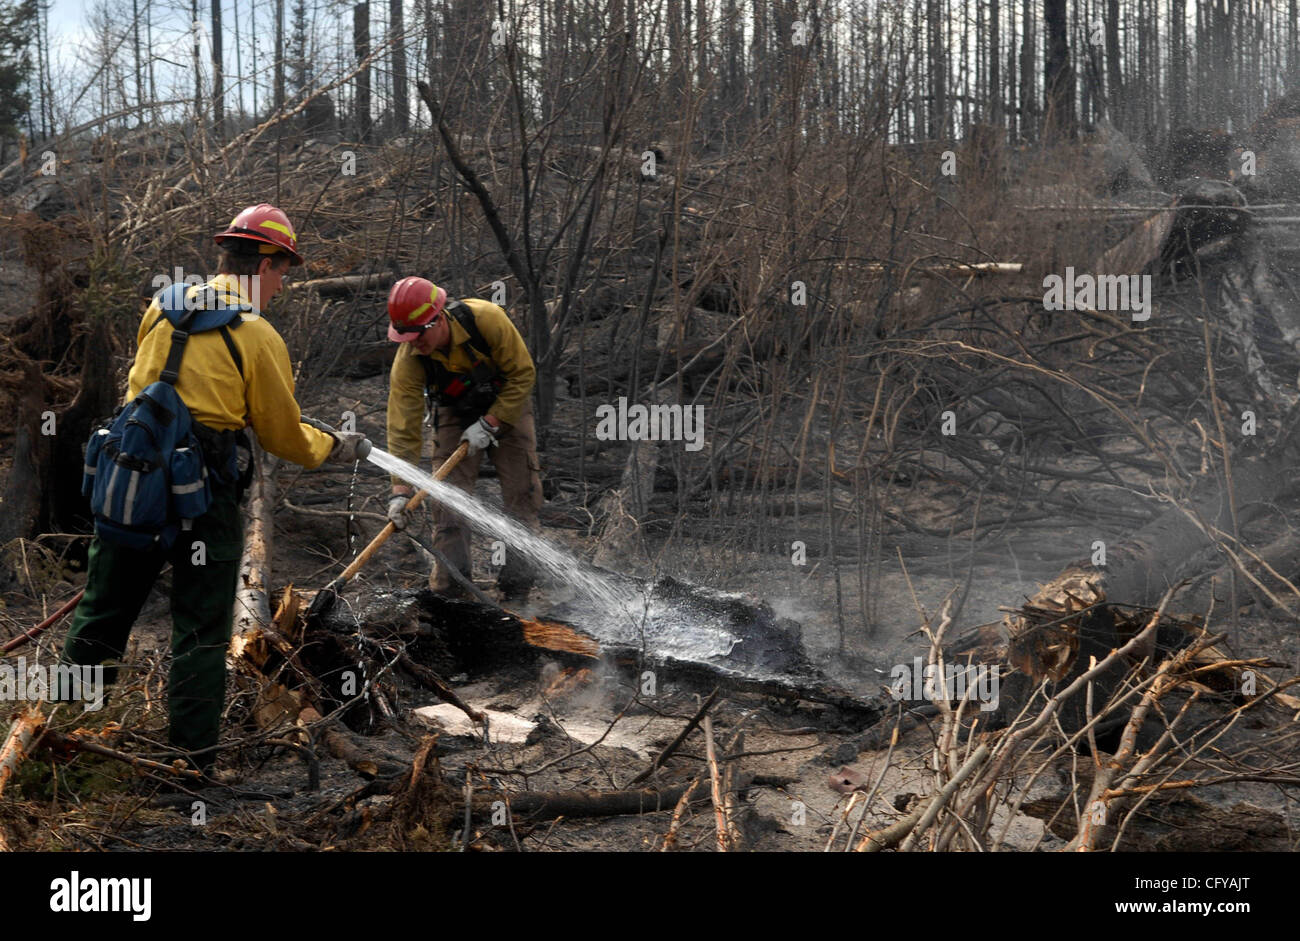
point(340, 745)
point(343, 284)
point(676, 743)
point(715, 780)
point(670, 838)
point(936, 805)
point(69, 743)
point(910, 827)
point(39, 629)
point(432, 682)
point(892, 834)
point(975, 268)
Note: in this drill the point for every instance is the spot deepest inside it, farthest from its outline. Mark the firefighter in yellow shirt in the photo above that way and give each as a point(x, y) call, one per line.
point(229, 378)
point(472, 363)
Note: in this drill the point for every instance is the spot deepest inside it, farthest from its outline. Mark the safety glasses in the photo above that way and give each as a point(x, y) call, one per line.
point(424, 326)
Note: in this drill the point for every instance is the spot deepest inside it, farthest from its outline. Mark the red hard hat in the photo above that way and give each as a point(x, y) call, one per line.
point(413, 302)
point(264, 223)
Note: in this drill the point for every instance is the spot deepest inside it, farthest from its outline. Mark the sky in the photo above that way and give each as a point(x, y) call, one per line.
point(71, 36)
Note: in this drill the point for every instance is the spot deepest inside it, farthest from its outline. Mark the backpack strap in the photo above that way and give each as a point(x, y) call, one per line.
point(436, 375)
point(465, 317)
point(459, 391)
point(234, 351)
point(225, 336)
point(180, 336)
point(431, 369)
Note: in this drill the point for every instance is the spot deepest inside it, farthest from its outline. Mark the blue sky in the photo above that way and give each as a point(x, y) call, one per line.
point(71, 35)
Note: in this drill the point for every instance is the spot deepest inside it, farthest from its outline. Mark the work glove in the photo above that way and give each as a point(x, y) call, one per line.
point(349, 446)
point(397, 510)
point(480, 436)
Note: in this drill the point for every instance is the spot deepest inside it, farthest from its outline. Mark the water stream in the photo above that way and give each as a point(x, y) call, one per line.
point(616, 611)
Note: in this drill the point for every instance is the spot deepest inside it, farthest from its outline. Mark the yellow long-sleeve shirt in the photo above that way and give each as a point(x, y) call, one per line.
point(211, 386)
point(507, 353)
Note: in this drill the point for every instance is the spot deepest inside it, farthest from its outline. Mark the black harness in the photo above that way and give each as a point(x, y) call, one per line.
point(468, 395)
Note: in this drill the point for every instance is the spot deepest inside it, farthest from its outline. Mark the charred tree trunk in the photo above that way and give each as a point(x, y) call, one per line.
point(43, 489)
point(937, 51)
point(279, 55)
point(995, 66)
point(96, 399)
point(218, 92)
point(361, 49)
point(1058, 74)
point(1027, 121)
point(198, 62)
point(1114, 81)
point(468, 637)
point(1178, 64)
point(24, 495)
point(401, 93)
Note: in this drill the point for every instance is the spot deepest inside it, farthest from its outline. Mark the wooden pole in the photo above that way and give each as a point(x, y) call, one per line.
point(364, 556)
point(252, 599)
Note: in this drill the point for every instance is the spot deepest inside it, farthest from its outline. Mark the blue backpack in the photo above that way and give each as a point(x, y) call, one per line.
point(145, 474)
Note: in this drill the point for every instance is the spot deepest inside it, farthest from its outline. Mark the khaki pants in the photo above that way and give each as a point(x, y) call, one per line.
point(518, 470)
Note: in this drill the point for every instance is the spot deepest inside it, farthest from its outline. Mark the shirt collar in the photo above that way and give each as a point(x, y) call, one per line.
point(237, 290)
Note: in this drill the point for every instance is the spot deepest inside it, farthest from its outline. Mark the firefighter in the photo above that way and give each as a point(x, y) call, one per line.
point(469, 360)
point(229, 379)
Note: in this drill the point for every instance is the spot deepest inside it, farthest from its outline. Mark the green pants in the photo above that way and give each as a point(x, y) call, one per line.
point(205, 572)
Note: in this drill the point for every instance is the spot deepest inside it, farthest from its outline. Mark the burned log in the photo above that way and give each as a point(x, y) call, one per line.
point(746, 648)
point(1202, 212)
point(341, 746)
point(533, 806)
point(344, 285)
point(1208, 210)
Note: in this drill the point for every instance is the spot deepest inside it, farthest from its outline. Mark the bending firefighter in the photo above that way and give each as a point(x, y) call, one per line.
point(471, 362)
point(206, 349)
